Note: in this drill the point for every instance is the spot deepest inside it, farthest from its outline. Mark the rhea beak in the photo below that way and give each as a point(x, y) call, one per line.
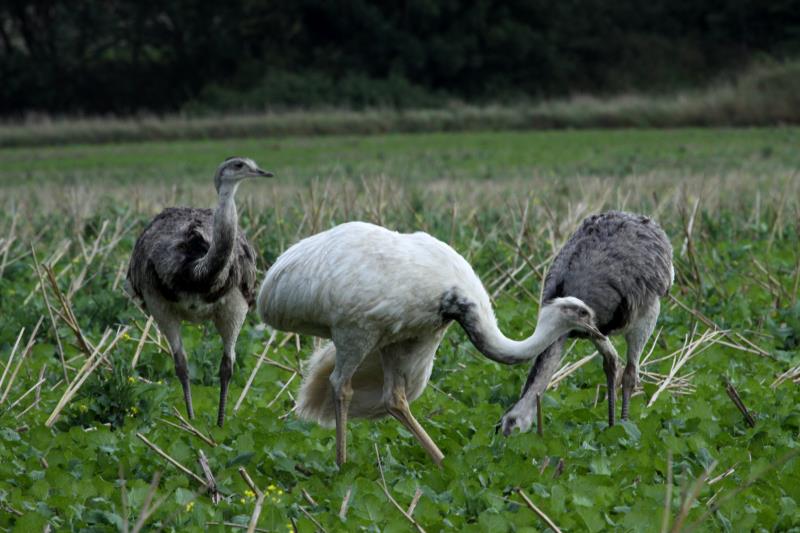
point(591, 329)
point(263, 173)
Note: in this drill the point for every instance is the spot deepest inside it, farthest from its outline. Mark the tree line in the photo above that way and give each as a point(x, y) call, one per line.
point(130, 56)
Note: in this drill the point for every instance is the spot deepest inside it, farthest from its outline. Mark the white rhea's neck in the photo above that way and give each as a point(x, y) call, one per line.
point(491, 342)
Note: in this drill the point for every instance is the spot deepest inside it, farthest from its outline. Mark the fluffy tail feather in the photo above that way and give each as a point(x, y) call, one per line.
point(315, 400)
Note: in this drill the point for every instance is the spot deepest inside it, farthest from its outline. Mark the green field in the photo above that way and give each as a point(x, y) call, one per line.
point(729, 199)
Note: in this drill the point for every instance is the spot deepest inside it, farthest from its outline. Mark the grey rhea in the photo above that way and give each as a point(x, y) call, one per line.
point(620, 265)
point(196, 265)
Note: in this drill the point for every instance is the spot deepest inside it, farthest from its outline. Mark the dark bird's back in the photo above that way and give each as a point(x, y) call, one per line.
point(168, 249)
point(616, 262)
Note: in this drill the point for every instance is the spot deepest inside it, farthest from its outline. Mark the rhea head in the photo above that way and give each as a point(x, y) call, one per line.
point(235, 169)
point(569, 314)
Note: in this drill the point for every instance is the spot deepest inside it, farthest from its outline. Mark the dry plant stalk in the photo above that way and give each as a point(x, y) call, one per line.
point(11, 356)
point(66, 314)
point(92, 362)
point(568, 369)
point(672, 381)
point(142, 340)
point(255, 370)
point(391, 498)
point(737, 401)
point(345, 504)
point(251, 527)
point(414, 501)
point(793, 374)
point(211, 483)
point(186, 426)
point(172, 461)
point(546, 519)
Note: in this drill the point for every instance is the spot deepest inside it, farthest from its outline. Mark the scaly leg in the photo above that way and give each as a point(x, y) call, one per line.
point(171, 328)
point(521, 415)
point(228, 323)
point(352, 346)
point(396, 402)
point(636, 338)
point(610, 357)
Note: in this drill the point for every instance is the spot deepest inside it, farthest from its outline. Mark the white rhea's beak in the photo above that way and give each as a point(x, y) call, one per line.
point(592, 330)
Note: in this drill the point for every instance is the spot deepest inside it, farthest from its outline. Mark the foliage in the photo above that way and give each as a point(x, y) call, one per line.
point(505, 201)
point(129, 56)
point(763, 95)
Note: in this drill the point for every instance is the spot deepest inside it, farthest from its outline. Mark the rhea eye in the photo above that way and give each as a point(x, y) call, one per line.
point(238, 166)
point(583, 313)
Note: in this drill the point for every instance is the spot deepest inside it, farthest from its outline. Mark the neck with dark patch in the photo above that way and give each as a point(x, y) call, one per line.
point(215, 263)
point(481, 327)
point(492, 343)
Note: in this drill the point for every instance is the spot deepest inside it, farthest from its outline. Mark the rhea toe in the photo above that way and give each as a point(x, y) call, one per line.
point(196, 265)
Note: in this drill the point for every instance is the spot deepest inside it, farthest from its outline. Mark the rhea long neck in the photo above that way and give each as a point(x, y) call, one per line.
point(489, 340)
point(223, 238)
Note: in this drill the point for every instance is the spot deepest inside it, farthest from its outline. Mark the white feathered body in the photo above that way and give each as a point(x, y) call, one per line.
point(362, 275)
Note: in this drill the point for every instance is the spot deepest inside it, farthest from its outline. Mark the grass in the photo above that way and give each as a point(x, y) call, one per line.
point(421, 157)
point(764, 95)
point(506, 201)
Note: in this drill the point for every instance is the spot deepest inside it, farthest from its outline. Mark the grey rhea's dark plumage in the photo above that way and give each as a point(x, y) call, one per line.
point(620, 265)
point(166, 253)
point(195, 265)
point(615, 262)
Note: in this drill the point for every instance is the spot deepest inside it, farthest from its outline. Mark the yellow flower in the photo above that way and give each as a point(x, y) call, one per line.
point(242, 500)
point(189, 506)
point(133, 411)
point(250, 494)
point(83, 408)
point(126, 337)
point(271, 488)
point(289, 526)
point(131, 379)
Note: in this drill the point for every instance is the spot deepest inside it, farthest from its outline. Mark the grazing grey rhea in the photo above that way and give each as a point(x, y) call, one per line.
point(620, 265)
point(196, 265)
point(386, 299)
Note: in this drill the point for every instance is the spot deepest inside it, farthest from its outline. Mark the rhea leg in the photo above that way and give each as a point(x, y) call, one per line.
point(396, 402)
point(170, 327)
point(636, 338)
point(352, 346)
point(610, 357)
point(228, 322)
point(521, 415)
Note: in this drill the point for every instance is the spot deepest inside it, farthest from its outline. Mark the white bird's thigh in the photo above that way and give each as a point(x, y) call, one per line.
point(352, 346)
point(409, 364)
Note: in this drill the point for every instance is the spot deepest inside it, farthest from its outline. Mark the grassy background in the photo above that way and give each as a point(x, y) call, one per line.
point(727, 198)
point(419, 157)
point(764, 95)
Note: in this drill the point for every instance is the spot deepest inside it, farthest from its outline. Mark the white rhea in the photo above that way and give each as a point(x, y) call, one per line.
point(385, 299)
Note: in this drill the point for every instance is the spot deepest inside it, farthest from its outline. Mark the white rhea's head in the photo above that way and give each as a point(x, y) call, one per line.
point(235, 169)
point(568, 314)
